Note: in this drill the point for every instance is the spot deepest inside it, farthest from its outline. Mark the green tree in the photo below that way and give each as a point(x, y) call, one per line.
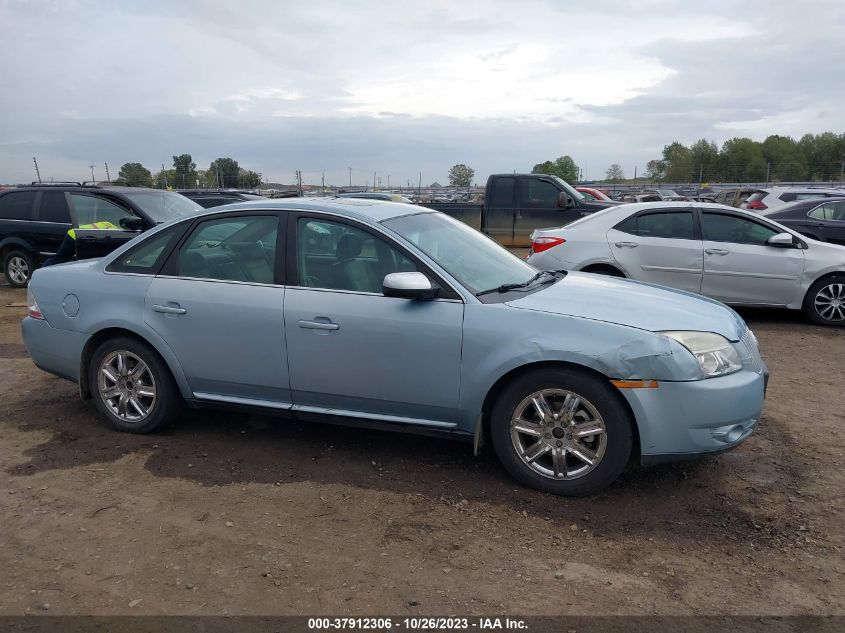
point(705, 160)
point(249, 179)
point(563, 167)
point(784, 158)
point(655, 170)
point(225, 173)
point(186, 172)
point(460, 175)
point(678, 160)
point(743, 161)
point(135, 175)
point(823, 154)
point(615, 173)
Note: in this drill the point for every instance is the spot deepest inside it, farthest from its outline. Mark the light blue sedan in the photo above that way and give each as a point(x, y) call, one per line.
point(380, 313)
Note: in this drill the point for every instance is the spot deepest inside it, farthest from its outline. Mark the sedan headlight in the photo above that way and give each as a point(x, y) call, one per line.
point(714, 352)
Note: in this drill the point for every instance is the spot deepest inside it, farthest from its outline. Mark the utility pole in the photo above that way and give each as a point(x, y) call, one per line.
point(108, 176)
point(93, 182)
point(701, 173)
point(635, 172)
point(37, 173)
point(388, 181)
point(350, 176)
point(163, 177)
point(299, 181)
point(768, 168)
point(419, 188)
point(323, 191)
point(374, 181)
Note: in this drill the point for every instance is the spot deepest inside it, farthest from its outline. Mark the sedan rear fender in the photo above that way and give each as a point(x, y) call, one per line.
point(115, 327)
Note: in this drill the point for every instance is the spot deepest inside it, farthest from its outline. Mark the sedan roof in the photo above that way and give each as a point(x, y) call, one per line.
point(358, 208)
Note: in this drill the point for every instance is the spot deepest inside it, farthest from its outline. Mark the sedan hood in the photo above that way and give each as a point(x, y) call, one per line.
point(634, 304)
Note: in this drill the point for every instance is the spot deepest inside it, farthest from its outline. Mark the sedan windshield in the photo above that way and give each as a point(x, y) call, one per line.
point(163, 206)
point(472, 258)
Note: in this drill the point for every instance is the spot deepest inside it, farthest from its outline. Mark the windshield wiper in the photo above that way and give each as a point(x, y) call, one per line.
point(525, 284)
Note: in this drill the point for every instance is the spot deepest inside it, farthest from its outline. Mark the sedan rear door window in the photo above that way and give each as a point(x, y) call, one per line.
point(232, 249)
point(667, 224)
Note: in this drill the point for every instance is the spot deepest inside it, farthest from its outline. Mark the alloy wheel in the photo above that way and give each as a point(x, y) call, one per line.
point(127, 386)
point(558, 434)
point(18, 270)
point(830, 302)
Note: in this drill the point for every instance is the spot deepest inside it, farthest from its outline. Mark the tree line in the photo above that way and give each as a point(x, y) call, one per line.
point(813, 157)
point(224, 173)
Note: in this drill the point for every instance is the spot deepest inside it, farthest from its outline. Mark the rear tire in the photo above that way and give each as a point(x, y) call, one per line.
point(18, 266)
point(577, 445)
point(132, 387)
point(825, 301)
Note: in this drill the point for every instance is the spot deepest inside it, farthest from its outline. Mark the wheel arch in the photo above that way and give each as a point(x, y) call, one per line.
point(13, 244)
point(603, 268)
point(490, 398)
point(828, 275)
point(163, 352)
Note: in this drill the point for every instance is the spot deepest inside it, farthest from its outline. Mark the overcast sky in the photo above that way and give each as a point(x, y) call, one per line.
point(402, 87)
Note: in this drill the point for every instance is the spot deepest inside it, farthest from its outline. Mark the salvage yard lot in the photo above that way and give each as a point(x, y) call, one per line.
point(230, 513)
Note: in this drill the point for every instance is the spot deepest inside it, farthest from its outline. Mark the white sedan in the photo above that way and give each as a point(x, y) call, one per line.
point(732, 255)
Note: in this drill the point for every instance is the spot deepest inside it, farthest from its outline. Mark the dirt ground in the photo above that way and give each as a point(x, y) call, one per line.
point(237, 514)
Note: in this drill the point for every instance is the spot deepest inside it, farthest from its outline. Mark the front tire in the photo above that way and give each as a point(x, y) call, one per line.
point(561, 431)
point(18, 267)
point(825, 301)
point(132, 387)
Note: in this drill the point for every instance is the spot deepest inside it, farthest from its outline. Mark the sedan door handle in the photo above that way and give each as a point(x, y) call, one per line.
point(628, 244)
point(169, 309)
point(716, 251)
point(317, 325)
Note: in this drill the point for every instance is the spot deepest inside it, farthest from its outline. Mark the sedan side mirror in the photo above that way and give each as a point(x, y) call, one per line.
point(564, 201)
point(781, 240)
point(132, 224)
point(408, 286)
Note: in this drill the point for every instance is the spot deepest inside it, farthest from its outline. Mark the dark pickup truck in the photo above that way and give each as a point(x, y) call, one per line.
point(516, 204)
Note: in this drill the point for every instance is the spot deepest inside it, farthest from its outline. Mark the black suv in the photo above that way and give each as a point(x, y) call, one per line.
point(34, 220)
point(208, 198)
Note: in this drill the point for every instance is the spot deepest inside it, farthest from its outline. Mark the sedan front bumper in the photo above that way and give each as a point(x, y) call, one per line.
point(681, 420)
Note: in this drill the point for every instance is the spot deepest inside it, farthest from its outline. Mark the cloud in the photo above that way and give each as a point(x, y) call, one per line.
point(417, 86)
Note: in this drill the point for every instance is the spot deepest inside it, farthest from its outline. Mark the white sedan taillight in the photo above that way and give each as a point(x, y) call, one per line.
point(540, 244)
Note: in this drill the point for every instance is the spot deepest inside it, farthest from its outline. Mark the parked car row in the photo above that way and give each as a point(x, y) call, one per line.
point(733, 255)
point(777, 196)
point(821, 219)
point(34, 220)
point(208, 198)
